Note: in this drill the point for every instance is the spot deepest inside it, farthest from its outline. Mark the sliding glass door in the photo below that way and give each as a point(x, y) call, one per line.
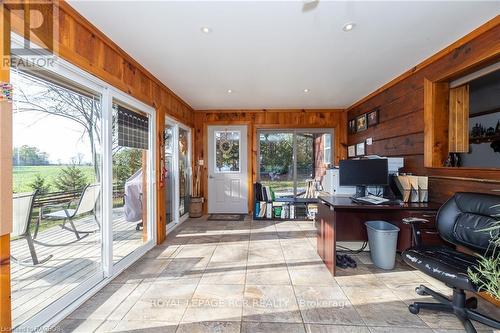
point(169, 178)
point(83, 188)
point(179, 171)
point(276, 162)
point(131, 178)
point(290, 160)
point(57, 181)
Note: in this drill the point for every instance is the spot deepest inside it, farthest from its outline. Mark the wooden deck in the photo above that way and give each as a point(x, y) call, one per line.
point(35, 287)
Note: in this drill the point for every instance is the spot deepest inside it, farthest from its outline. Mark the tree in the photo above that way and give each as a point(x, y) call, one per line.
point(70, 179)
point(46, 98)
point(28, 155)
point(40, 184)
point(126, 162)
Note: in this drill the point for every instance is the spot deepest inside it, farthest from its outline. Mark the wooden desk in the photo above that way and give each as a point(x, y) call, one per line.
point(341, 219)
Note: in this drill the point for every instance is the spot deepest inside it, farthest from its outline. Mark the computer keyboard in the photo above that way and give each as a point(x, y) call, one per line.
point(371, 199)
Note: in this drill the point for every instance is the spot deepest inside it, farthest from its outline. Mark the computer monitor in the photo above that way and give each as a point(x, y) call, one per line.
point(362, 173)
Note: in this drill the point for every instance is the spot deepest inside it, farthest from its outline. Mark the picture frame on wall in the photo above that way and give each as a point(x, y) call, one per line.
point(372, 118)
point(351, 151)
point(361, 123)
point(352, 126)
point(360, 149)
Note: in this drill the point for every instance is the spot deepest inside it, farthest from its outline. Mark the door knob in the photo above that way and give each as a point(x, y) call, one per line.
point(211, 177)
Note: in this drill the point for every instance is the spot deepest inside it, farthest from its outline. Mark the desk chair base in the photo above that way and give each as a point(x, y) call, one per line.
point(459, 306)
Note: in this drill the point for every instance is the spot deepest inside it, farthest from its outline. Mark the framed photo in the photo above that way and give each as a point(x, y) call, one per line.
point(351, 151)
point(360, 149)
point(373, 118)
point(361, 123)
point(352, 126)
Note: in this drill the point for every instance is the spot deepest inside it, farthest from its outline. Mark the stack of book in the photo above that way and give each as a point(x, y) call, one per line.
point(274, 210)
point(263, 193)
point(267, 208)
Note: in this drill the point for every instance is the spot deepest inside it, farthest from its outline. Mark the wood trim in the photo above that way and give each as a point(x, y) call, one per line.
point(270, 110)
point(5, 177)
point(5, 295)
point(470, 174)
point(458, 140)
point(436, 119)
point(444, 52)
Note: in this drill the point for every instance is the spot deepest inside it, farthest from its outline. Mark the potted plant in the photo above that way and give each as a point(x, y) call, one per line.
point(196, 201)
point(486, 275)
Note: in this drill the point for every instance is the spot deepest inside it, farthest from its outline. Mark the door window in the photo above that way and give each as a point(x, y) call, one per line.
point(227, 151)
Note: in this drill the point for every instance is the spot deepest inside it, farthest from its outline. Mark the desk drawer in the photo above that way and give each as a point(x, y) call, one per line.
point(430, 237)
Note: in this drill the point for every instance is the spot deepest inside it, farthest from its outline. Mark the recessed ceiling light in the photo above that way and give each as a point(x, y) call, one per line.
point(229, 91)
point(206, 30)
point(306, 90)
point(349, 26)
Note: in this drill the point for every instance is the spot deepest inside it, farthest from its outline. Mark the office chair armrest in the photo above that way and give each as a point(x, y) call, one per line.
point(415, 222)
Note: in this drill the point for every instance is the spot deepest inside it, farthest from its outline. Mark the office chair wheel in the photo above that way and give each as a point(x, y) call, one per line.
point(420, 291)
point(415, 309)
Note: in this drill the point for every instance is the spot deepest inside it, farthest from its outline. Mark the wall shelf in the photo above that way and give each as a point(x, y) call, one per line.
point(485, 139)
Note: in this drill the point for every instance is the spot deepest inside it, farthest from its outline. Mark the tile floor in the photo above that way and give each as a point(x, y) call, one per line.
point(254, 276)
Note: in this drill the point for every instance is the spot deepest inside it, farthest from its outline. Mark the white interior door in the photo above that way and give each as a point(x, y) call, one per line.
point(227, 169)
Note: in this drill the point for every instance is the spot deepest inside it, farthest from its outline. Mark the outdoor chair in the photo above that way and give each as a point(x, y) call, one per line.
point(85, 205)
point(22, 210)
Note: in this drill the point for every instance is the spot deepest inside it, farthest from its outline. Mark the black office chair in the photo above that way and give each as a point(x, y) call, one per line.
point(459, 222)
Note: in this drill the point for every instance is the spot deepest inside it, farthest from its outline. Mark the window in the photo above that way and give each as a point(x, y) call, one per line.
point(227, 151)
point(327, 148)
point(276, 162)
point(291, 160)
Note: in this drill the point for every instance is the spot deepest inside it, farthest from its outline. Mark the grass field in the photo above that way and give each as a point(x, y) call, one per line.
point(24, 175)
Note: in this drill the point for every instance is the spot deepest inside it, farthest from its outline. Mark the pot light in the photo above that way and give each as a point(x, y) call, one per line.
point(306, 90)
point(229, 91)
point(349, 26)
point(206, 30)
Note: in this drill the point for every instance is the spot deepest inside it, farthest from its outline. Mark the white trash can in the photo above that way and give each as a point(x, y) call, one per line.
point(383, 238)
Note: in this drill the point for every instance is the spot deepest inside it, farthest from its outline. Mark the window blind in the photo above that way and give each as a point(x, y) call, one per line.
point(132, 129)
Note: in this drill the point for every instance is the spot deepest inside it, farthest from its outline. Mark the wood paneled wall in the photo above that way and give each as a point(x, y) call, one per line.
point(82, 44)
point(400, 131)
point(261, 119)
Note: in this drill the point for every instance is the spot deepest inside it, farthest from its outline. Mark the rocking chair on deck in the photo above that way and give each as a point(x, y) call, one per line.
point(86, 204)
